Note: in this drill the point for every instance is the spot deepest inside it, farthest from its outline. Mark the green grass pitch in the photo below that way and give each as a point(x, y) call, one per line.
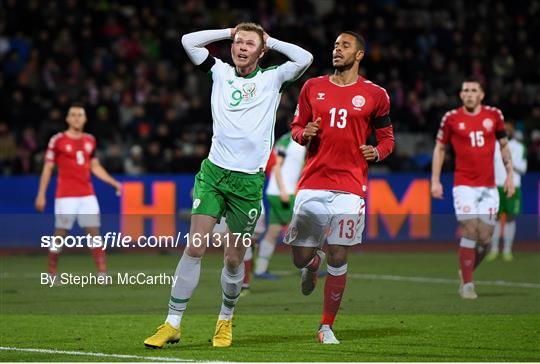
point(397, 307)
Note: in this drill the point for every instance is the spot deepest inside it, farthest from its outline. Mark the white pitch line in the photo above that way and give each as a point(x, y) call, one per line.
point(103, 355)
point(385, 277)
point(395, 278)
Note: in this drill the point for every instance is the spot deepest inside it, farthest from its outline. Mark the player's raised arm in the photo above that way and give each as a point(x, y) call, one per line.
point(194, 45)
point(300, 59)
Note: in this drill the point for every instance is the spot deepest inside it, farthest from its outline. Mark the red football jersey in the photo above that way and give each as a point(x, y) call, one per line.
point(72, 157)
point(348, 114)
point(473, 138)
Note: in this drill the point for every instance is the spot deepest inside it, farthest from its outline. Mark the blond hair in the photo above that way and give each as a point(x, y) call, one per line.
point(251, 27)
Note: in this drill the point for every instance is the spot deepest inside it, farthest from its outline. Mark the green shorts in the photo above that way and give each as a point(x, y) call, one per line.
point(509, 206)
point(221, 192)
point(280, 213)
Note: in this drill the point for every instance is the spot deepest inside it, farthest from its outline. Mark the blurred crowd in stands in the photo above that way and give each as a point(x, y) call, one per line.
point(149, 107)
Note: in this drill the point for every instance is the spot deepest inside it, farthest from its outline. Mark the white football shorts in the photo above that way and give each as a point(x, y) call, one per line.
point(321, 215)
point(84, 209)
point(476, 203)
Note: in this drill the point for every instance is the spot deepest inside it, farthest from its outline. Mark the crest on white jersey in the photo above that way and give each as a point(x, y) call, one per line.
point(488, 124)
point(69, 148)
point(249, 89)
point(461, 126)
point(359, 101)
point(320, 96)
point(88, 147)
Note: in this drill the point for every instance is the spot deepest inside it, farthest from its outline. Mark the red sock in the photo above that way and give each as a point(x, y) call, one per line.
point(466, 263)
point(99, 258)
point(53, 262)
point(333, 292)
point(248, 264)
point(313, 265)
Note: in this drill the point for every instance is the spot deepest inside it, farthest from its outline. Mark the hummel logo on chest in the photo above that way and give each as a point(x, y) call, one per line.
point(321, 95)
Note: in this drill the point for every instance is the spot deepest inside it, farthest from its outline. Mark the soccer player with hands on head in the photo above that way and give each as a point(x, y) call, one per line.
point(334, 117)
point(244, 101)
point(473, 130)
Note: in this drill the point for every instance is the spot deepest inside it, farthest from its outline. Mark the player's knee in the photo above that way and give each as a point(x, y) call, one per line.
point(233, 261)
point(195, 251)
point(484, 237)
point(300, 260)
point(470, 231)
point(337, 260)
point(337, 257)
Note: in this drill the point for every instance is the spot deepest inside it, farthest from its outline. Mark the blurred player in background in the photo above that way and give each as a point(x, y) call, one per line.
point(280, 194)
point(230, 183)
point(73, 152)
point(509, 206)
point(334, 116)
point(473, 130)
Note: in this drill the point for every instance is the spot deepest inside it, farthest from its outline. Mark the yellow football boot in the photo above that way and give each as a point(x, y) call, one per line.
point(223, 335)
point(165, 334)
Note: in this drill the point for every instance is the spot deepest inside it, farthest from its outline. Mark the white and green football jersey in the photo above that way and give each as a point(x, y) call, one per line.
point(244, 108)
point(293, 161)
point(244, 115)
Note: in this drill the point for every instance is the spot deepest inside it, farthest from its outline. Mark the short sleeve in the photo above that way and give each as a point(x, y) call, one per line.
point(217, 70)
point(52, 149)
point(381, 115)
point(94, 147)
point(443, 135)
point(383, 104)
point(500, 132)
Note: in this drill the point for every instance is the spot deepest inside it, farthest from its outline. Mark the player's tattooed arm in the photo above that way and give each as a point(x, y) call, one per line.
point(436, 166)
point(509, 187)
